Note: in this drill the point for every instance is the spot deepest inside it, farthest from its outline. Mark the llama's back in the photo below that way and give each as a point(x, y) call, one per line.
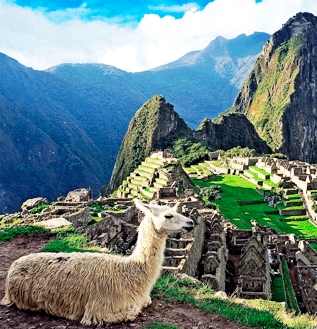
point(59, 283)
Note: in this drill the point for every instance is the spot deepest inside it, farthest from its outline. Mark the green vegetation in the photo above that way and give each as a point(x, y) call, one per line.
point(272, 95)
point(11, 232)
point(208, 194)
point(135, 146)
point(314, 245)
point(239, 151)
point(277, 289)
point(258, 312)
point(70, 241)
point(261, 171)
point(235, 188)
point(291, 301)
point(189, 152)
point(38, 209)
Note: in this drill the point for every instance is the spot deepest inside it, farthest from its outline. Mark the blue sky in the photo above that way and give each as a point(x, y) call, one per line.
point(123, 11)
point(127, 10)
point(133, 36)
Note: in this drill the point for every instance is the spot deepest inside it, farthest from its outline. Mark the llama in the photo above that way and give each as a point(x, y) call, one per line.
point(96, 288)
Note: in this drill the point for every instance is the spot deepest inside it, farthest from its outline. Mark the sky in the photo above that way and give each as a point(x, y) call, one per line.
point(131, 35)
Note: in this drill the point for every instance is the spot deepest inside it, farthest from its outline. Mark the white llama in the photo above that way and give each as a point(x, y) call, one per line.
point(96, 288)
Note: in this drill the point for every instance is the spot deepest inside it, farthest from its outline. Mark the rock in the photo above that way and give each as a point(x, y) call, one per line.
point(119, 206)
point(54, 223)
point(46, 211)
point(80, 219)
point(25, 212)
point(33, 203)
point(79, 195)
point(289, 129)
point(103, 214)
point(189, 192)
point(61, 199)
point(221, 294)
point(106, 207)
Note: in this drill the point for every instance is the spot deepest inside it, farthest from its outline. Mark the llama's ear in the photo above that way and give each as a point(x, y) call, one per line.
point(142, 206)
point(176, 207)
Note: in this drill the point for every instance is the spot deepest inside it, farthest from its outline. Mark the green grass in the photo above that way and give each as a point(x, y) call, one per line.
point(156, 325)
point(11, 232)
point(314, 245)
point(277, 289)
point(235, 188)
point(261, 313)
point(291, 301)
point(261, 171)
point(290, 197)
point(190, 170)
point(70, 241)
point(38, 209)
point(269, 183)
point(254, 175)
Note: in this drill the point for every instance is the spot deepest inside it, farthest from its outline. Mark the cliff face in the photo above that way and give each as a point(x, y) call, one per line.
point(156, 126)
point(279, 96)
point(231, 131)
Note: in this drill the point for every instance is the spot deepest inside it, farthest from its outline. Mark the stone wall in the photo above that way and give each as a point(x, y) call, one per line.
point(190, 266)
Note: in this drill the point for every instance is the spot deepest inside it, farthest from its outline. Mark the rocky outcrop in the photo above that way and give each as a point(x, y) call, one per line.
point(279, 96)
point(231, 131)
point(156, 126)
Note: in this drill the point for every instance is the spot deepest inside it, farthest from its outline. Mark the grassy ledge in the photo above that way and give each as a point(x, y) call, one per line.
point(11, 232)
point(261, 313)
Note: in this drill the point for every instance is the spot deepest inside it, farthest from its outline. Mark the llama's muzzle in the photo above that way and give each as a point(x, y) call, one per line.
point(188, 226)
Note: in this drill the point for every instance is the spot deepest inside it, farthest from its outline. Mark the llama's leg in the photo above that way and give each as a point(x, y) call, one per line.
point(147, 302)
point(100, 315)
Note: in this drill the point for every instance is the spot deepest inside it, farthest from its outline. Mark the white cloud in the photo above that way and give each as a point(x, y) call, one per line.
point(40, 42)
point(176, 8)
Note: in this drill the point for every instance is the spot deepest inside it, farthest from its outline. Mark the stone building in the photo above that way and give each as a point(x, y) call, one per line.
point(254, 273)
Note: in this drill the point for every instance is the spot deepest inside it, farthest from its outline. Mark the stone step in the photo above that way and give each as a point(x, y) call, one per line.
point(173, 261)
point(140, 182)
point(151, 164)
point(162, 175)
point(137, 176)
point(290, 203)
point(146, 168)
point(158, 185)
point(260, 175)
point(178, 243)
point(290, 191)
point(161, 181)
point(158, 161)
point(148, 193)
point(175, 252)
point(144, 174)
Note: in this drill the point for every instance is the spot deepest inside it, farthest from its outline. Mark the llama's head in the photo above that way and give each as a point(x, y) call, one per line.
point(164, 218)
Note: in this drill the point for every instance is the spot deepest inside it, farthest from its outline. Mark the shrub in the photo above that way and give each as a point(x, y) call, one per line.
point(38, 209)
point(189, 152)
point(208, 194)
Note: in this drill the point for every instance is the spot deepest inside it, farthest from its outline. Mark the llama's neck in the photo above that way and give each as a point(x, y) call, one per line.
point(149, 250)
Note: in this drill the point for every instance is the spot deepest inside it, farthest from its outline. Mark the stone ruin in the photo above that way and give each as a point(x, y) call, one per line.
point(239, 262)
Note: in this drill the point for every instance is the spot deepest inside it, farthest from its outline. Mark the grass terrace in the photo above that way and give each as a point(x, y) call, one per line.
point(261, 171)
point(235, 188)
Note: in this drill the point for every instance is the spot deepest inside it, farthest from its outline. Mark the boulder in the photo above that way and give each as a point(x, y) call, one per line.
point(79, 195)
point(54, 223)
point(80, 219)
point(34, 203)
point(189, 192)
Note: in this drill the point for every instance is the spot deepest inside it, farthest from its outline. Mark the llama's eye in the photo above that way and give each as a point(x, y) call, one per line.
point(168, 216)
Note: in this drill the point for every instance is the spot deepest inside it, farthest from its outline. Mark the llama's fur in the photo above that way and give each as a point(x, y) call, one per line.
point(96, 288)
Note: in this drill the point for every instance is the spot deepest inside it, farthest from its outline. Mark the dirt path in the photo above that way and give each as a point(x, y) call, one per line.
point(183, 316)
